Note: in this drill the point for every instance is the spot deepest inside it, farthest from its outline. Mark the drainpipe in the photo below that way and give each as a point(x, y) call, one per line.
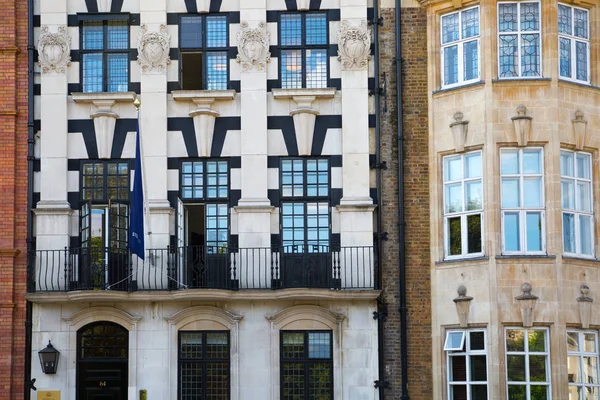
point(401, 220)
point(30, 157)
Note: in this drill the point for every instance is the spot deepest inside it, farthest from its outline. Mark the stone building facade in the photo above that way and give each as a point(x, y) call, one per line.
point(13, 202)
point(513, 139)
point(260, 274)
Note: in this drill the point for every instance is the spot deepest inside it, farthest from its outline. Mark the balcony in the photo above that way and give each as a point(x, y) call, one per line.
point(199, 268)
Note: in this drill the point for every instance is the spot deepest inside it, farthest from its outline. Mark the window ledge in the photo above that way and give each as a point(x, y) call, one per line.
point(532, 81)
point(526, 256)
point(462, 260)
point(579, 84)
point(583, 259)
point(323, 93)
point(203, 95)
point(101, 97)
point(467, 85)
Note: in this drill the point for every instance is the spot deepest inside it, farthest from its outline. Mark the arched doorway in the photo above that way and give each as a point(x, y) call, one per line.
point(102, 361)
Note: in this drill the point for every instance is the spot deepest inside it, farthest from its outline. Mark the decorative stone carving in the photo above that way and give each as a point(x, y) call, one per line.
point(579, 130)
point(585, 307)
point(153, 49)
point(54, 50)
point(459, 130)
point(354, 46)
point(303, 5)
point(253, 47)
point(527, 303)
point(522, 125)
point(463, 306)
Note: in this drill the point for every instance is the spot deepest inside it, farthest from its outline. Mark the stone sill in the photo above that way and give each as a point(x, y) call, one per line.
point(91, 97)
point(203, 295)
point(453, 88)
point(525, 258)
point(578, 85)
point(580, 260)
point(193, 95)
point(522, 81)
point(462, 260)
point(324, 93)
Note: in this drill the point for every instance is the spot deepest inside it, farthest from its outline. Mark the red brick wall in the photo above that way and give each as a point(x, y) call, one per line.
point(416, 176)
point(13, 195)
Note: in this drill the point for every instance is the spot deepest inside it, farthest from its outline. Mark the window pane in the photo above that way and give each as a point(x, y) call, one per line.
point(458, 371)
point(450, 28)
point(584, 166)
point(512, 241)
point(589, 340)
point(118, 35)
point(477, 340)
point(508, 56)
point(539, 392)
point(516, 368)
point(93, 35)
point(291, 30)
point(470, 23)
point(316, 29)
point(530, 55)
point(564, 19)
point(509, 162)
point(92, 72)
point(479, 392)
point(532, 192)
point(316, 68)
point(581, 23)
point(567, 194)
point(319, 345)
point(574, 369)
point(454, 236)
point(191, 32)
point(590, 370)
point(454, 198)
point(118, 77)
point(291, 69)
point(452, 167)
point(566, 164)
point(537, 368)
point(474, 195)
point(507, 17)
point(584, 196)
point(216, 31)
point(532, 162)
point(530, 17)
point(585, 234)
point(569, 233)
point(474, 233)
point(515, 340)
point(450, 65)
point(478, 368)
point(472, 165)
point(581, 52)
point(572, 341)
point(565, 57)
point(517, 392)
point(510, 193)
point(534, 232)
point(536, 340)
point(471, 60)
point(458, 392)
point(216, 70)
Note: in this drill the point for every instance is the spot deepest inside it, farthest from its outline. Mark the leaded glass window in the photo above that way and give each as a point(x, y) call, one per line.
point(463, 205)
point(105, 56)
point(574, 43)
point(204, 365)
point(204, 180)
point(460, 47)
point(467, 365)
point(304, 42)
point(577, 203)
point(105, 181)
point(204, 47)
point(527, 364)
point(519, 40)
point(582, 365)
point(306, 365)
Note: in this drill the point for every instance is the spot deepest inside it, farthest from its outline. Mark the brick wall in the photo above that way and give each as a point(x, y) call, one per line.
point(416, 164)
point(13, 198)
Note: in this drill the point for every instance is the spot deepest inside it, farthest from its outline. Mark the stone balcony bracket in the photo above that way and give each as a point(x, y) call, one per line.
point(463, 306)
point(104, 118)
point(522, 126)
point(527, 303)
point(459, 130)
point(305, 116)
point(585, 307)
point(579, 130)
point(204, 116)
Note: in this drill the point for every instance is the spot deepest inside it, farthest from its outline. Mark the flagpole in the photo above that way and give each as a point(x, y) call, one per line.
point(137, 103)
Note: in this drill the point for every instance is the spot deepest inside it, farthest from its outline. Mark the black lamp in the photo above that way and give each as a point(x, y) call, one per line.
point(49, 359)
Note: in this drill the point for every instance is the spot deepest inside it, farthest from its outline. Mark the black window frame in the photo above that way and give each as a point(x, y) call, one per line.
point(105, 18)
point(204, 49)
point(305, 199)
point(204, 198)
point(303, 47)
point(105, 199)
point(203, 361)
point(306, 361)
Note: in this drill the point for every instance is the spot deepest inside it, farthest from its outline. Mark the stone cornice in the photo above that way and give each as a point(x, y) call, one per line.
point(9, 253)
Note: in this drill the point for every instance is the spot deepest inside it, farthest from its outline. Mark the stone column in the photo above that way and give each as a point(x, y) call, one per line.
point(153, 122)
point(254, 209)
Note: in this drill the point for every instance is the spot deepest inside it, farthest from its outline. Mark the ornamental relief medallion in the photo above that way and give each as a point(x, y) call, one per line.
point(54, 50)
point(153, 49)
point(354, 46)
point(253, 47)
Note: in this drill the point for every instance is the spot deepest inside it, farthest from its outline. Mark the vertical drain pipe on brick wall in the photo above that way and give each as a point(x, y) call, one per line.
point(401, 219)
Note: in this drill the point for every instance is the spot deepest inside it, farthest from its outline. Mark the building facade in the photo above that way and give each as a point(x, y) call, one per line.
point(514, 140)
point(261, 273)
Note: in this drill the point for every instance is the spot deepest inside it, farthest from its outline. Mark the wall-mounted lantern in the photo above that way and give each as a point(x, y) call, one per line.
point(49, 359)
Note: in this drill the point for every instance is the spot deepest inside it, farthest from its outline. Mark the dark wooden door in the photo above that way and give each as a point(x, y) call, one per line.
point(102, 380)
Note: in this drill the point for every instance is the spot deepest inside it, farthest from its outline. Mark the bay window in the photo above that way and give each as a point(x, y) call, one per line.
point(573, 43)
point(460, 47)
point(519, 40)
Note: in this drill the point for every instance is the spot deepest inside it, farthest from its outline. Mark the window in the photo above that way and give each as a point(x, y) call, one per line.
point(467, 365)
point(528, 364)
point(582, 365)
point(306, 365)
point(463, 205)
point(573, 43)
point(519, 41)
point(460, 47)
point(522, 187)
point(577, 203)
point(204, 180)
point(204, 365)
point(305, 205)
point(303, 39)
point(204, 48)
point(105, 56)
point(105, 181)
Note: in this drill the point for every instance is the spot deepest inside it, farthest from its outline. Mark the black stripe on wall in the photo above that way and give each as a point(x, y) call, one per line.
point(286, 125)
point(122, 127)
point(86, 127)
point(335, 161)
point(215, 6)
point(92, 6)
point(116, 6)
point(186, 127)
point(322, 124)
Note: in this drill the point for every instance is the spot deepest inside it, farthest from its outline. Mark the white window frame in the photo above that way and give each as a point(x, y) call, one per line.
point(464, 213)
point(459, 44)
point(576, 212)
point(573, 40)
point(581, 354)
point(527, 383)
point(447, 345)
point(467, 352)
point(522, 210)
point(519, 33)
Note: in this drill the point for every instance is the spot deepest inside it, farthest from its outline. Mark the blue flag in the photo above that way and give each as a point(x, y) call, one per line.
point(136, 229)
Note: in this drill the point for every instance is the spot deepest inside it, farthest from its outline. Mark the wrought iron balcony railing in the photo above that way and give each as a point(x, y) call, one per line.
point(200, 267)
